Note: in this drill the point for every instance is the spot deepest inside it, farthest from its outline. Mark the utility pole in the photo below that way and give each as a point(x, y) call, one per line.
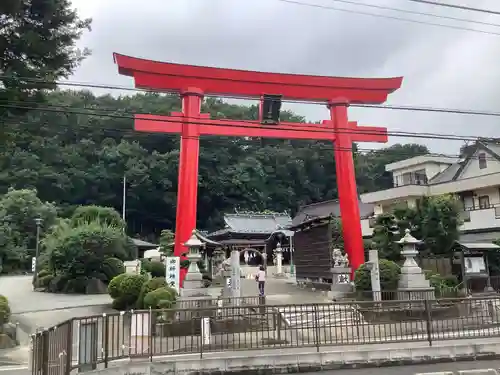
point(38, 223)
point(124, 200)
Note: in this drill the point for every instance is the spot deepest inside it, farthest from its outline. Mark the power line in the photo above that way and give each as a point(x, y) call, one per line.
point(135, 134)
point(461, 7)
point(315, 128)
point(416, 12)
point(387, 17)
point(175, 93)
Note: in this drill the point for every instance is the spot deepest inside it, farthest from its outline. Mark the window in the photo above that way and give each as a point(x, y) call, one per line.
point(484, 202)
point(482, 160)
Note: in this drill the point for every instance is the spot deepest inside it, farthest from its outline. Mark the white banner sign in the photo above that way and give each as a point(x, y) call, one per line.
point(173, 266)
point(33, 264)
point(205, 330)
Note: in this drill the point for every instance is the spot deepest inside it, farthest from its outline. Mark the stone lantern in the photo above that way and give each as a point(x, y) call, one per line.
point(193, 284)
point(279, 260)
point(412, 282)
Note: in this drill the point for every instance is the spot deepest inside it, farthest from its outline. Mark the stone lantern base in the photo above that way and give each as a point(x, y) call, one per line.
point(341, 283)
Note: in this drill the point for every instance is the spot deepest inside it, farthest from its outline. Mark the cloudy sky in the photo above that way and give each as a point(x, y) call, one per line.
point(442, 67)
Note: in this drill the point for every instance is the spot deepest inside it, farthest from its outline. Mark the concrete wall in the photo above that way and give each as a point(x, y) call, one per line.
point(263, 362)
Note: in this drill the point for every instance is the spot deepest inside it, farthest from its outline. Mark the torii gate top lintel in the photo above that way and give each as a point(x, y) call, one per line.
point(251, 84)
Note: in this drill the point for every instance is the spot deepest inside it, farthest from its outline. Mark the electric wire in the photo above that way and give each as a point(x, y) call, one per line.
point(314, 128)
point(327, 7)
point(201, 122)
point(324, 144)
point(416, 12)
point(42, 81)
point(455, 6)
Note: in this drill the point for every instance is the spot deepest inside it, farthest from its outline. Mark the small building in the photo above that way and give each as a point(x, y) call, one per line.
point(250, 231)
point(312, 255)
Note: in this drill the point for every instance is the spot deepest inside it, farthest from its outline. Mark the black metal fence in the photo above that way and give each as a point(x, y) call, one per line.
point(211, 326)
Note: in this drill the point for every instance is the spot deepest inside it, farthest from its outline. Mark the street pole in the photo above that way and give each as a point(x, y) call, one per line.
point(38, 223)
point(124, 197)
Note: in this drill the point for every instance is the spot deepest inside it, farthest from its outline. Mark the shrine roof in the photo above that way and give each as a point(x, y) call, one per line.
point(328, 208)
point(254, 223)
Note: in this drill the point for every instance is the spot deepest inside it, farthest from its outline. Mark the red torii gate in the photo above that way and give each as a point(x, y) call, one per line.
point(193, 82)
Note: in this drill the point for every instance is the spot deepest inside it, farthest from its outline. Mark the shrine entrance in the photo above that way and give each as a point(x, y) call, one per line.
point(194, 82)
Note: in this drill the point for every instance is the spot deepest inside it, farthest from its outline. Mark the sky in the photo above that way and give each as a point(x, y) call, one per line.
point(442, 67)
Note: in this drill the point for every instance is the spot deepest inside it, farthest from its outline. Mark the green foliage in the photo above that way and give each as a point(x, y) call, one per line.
point(434, 220)
point(4, 310)
point(162, 298)
point(38, 43)
point(155, 268)
point(389, 276)
point(112, 267)
point(385, 233)
point(104, 215)
point(114, 286)
point(125, 290)
point(91, 250)
point(337, 239)
point(149, 286)
point(167, 239)
point(18, 211)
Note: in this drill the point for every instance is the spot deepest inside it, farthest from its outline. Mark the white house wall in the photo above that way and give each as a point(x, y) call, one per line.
point(472, 168)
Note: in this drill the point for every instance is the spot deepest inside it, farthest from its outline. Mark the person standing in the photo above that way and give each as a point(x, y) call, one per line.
point(261, 280)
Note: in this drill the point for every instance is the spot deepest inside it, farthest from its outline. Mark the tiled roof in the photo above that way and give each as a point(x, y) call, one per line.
point(257, 223)
point(327, 208)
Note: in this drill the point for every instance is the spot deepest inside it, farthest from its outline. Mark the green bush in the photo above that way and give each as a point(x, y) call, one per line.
point(128, 289)
point(162, 298)
point(114, 286)
point(44, 281)
point(389, 276)
point(156, 269)
point(149, 286)
point(43, 272)
point(4, 310)
point(112, 267)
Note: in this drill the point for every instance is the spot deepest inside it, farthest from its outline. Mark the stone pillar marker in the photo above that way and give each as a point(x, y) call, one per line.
point(235, 277)
point(279, 261)
point(375, 275)
point(412, 282)
point(193, 284)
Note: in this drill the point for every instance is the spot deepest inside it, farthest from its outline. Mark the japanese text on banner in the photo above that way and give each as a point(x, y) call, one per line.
point(173, 273)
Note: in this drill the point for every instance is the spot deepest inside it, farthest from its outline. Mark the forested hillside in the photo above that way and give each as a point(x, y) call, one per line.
point(76, 147)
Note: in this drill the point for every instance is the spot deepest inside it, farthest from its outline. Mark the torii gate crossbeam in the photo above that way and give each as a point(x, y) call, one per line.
point(193, 82)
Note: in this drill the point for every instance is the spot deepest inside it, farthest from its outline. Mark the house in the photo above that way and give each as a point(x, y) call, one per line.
point(474, 178)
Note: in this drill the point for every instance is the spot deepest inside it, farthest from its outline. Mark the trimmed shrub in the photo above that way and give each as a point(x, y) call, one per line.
point(389, 276)
point(112, 267)
point(4, 310)
point(128, 289)
point(162, 298)
point(149, 286)
point(115, 285)
point(156, 269)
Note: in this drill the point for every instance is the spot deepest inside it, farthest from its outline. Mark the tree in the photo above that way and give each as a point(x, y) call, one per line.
point(37, 45)
point(440, 219)
point(18, 211)
point(167, 238)
point(434, 220)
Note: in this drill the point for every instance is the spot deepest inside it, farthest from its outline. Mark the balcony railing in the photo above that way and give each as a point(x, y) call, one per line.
point(409, 179)
point(481, 217)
